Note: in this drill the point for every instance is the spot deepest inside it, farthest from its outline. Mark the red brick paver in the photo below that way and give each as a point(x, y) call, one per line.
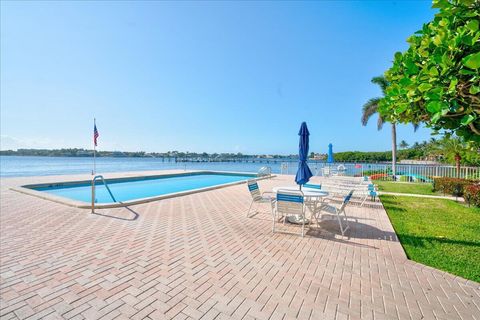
point(199, 257)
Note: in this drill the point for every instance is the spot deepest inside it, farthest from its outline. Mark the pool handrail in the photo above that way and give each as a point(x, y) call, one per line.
point(93, 190)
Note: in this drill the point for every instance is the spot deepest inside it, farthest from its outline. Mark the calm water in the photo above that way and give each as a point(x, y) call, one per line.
point(138, 189)
point(19, 166)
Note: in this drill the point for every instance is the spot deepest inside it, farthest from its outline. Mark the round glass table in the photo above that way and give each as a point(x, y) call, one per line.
point(313, 201)
point(307, 192)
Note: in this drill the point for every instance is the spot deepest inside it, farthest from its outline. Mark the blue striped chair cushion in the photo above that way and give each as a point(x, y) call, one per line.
point(253, 187)
point(313, 186)
point(289, 198)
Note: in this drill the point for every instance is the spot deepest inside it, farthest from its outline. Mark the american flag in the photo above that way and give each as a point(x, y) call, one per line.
point(95, 134)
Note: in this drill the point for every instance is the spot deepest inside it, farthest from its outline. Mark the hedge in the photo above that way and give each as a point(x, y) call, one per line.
point(471, 193)
point(380, 176)
point(453, 186)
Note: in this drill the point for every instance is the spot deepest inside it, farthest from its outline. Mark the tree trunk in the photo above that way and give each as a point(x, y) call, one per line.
point(458, 158)
point(394, 149)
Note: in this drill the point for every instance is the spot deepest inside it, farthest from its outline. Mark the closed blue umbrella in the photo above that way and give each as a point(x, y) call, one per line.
point(330, 154)
point(303, 174)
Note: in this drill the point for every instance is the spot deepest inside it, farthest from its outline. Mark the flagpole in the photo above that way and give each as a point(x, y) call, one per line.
point(94, 151)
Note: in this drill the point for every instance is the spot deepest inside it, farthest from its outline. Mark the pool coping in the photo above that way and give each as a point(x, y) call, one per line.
point(25, 189)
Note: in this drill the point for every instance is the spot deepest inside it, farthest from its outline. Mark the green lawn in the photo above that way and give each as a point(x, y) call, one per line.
point(403, 187)
point(437, 232)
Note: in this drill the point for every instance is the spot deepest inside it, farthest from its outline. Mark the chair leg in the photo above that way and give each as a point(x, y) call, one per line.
point(273, 226)
point(274, 218)
point(364, 199)
point(303, 226)
point(249, 208)
point(346, 219)
point(340, 223)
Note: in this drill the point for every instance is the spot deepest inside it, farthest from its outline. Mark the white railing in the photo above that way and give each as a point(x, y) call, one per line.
point(284, 168)
point(404, 172)
point(265, 171)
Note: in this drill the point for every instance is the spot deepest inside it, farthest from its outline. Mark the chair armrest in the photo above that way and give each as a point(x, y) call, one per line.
point(268, 192)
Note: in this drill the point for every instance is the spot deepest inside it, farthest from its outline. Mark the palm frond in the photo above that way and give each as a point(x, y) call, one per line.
point(415, 126)
point(369, 109)
point(380, 123)
point(382, 83)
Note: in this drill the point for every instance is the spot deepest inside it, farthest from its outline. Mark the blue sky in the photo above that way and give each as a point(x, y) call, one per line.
point(192, 76)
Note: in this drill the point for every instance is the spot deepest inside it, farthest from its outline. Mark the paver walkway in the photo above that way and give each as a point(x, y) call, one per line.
point(460, 199)
point(198, 257)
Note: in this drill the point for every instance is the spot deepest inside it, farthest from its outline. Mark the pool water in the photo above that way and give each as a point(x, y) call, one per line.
point(139, 188)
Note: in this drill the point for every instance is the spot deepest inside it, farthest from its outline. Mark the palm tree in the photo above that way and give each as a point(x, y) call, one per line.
point(403, 144)
point(371, 107)
point(451, 149)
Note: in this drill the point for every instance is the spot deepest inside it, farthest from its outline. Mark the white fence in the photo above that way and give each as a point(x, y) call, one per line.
point(404, 172)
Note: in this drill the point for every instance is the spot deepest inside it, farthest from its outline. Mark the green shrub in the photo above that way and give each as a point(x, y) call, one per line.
point(471, 193)
point(371, 172)
point(453, 186)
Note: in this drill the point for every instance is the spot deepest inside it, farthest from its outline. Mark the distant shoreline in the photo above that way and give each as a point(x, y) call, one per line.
point(180, 156)
point(411, 155)
point(245, 160)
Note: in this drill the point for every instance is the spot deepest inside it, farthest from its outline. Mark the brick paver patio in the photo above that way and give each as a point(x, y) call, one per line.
point(198, 257)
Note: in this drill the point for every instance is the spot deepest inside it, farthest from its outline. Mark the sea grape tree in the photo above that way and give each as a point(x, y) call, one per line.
point(437, 80)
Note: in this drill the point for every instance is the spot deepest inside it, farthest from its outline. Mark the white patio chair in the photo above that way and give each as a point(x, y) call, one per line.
point(339, 212)
point(259, 198)
point(290, 203)
point(362, 191)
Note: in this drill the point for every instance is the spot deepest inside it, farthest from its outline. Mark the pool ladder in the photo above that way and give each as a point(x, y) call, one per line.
point(100, 177)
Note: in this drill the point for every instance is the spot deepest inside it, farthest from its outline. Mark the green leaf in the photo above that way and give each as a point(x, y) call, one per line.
point(433, 71)
point(453, 84)
point(411, 67)
point(436, 117)
point(468, 40)
point(405, 81)
point(437, 40)
point(434, 106)
point(474, 89)
point(398, 55)
point(441, 4)
point(413, 39)
point(466, 72)
point(472, 25)
point(424, 87)
point(401, 107)
point(467, 119)
point(472, 61)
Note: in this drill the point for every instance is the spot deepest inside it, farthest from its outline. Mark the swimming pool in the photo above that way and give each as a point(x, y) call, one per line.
point(137, 189)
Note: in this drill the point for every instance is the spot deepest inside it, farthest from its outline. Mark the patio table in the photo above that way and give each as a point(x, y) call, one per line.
point(313, 197)
point(307, 192)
